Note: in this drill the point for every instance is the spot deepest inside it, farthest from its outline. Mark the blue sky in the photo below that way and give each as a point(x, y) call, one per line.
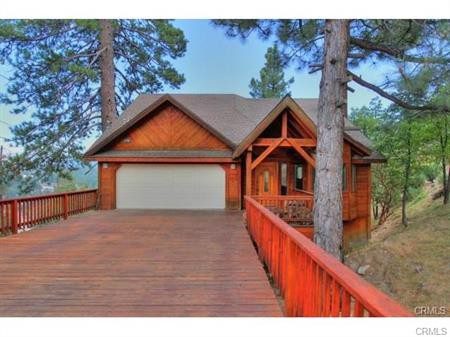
point(215, 63)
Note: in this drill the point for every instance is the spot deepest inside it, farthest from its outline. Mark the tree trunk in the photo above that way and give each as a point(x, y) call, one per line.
point(444, 143)
point(107, 73)
point(375, 209)
point(445, 180)
point(447, 190)
point(406, 179)
point(330, 132)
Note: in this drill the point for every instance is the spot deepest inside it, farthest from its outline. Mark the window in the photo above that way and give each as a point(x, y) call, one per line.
point(344, 178)
point(266, 177)
point(354, 176)
point(299, 176)
point(283, 178)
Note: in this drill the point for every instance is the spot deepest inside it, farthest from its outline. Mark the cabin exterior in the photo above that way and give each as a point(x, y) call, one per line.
point(209, 151)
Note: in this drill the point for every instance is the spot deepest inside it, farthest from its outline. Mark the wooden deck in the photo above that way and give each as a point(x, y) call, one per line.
point(135, 263)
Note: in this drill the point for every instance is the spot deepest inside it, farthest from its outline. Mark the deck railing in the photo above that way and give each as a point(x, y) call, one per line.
point(25, 212)
point(311, 281)
point(282, 201)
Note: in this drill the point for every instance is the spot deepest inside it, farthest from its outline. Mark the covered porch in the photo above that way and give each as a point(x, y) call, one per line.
point(279, 169)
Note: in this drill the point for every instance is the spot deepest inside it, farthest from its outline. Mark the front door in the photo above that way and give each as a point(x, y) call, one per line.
point(266, 175)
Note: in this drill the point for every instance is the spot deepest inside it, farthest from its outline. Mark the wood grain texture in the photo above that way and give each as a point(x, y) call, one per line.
point(107, 185)
point(135, 263)
point(311, 281)
point(357, 229)
point(168, 129)
point(232, 186)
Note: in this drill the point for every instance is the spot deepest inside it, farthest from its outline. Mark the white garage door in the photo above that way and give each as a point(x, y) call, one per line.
point(173, 186)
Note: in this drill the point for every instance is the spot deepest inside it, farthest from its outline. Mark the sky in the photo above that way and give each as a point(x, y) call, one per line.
point(215, 63)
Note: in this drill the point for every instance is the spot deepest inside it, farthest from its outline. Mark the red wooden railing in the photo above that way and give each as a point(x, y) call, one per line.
point(311, 281)
point(25, 212)
point(282, 201)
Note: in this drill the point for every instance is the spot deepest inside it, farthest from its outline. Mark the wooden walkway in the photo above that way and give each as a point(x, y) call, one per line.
point(135, 263)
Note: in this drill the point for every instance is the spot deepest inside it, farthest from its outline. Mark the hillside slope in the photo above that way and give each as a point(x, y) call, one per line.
point(411, 264)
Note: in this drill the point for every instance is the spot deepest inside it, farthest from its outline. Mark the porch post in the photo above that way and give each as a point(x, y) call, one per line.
point(248, 172)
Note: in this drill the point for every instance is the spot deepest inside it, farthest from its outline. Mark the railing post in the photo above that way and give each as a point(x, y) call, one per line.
point(14, 217)
point(66, 206)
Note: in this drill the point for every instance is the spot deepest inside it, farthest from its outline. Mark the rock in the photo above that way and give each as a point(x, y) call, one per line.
point(418, 268)
point(362, 269)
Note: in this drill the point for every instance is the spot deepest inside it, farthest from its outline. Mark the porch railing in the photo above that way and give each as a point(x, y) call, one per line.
point(311, 281)
point(281, 201)
point(21, 213)
point(296, 210)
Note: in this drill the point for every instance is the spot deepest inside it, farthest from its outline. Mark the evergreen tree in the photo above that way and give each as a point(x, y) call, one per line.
point(74, 77)
point(334, 47)
point(271, 83)
point(408, 45)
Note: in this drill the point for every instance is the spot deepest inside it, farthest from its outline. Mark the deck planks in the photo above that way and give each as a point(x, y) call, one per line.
point(135, 263)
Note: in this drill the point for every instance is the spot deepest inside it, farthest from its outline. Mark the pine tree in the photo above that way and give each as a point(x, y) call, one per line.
point(409, 45)
point(74, 77)
point(271, 83)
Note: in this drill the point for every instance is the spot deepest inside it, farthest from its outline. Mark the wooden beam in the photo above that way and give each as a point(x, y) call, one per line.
point(266, 152)
point(248, 172)
point(305, 142)
point(101, 159)
point(284, 124)
point(303, 153)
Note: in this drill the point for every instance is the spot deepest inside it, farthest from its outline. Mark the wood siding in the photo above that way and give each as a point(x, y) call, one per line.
point(358, 229)
point(355, 202)
point(168, 129)
point(107, 185)
point(232, 186)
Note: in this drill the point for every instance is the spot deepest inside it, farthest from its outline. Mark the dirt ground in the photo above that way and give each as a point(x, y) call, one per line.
point(411, 264)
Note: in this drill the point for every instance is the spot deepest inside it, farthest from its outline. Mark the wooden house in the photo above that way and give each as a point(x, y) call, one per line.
point(206, 151)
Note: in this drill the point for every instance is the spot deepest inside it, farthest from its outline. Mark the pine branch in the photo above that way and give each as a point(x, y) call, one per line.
point(395, 52)
point(396, 100)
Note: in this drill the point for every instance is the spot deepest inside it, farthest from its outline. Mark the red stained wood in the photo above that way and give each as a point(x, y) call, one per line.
point(168, 129)
point(306, 142)
point(135, 263)
point(341, 284)
point(232, 186)
point(22, 213)
point(107, 185)
point(163, 160)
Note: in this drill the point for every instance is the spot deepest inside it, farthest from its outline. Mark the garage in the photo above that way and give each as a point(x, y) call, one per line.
point(170, 186)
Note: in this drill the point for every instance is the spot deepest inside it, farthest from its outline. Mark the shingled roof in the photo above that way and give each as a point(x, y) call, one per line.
point(230, 117)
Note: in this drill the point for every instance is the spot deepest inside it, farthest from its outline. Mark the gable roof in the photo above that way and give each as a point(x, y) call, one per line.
point(232, 118)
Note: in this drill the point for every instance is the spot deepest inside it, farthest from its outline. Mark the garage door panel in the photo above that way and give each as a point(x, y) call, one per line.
point(170, 186)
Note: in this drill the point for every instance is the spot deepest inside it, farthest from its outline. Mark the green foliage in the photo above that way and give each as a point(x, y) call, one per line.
point(271, 83)
point(411, 146)
point(415, 50)
point(56, 79)
point(65, 185)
